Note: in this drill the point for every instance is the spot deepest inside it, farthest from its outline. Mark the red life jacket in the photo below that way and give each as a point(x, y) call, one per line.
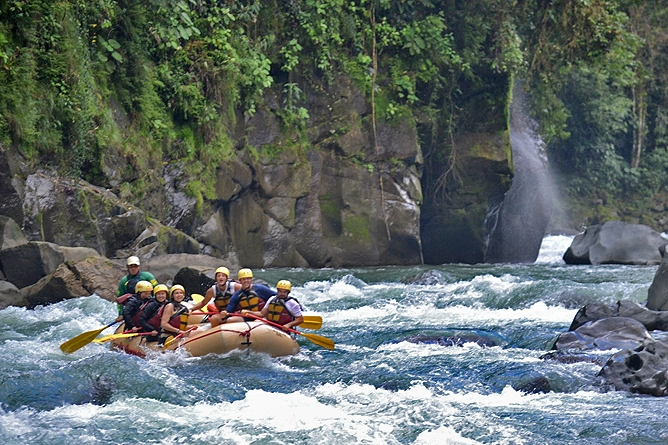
point(135, 319)
point(123, 298)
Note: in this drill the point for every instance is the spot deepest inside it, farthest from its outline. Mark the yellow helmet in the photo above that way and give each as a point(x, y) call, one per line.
point(160, 288)
point(245, 273)
point(133, 260)
point(175, 287)
point(224, 270)
point(143, 286)
point(284, 284)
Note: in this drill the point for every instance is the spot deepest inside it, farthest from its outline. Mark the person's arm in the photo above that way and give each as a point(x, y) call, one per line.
point(207, 297)
point(295, 309)
point(262, 313)
point(121, 286)
point(234, 302)
point(129, 311)
point(148, 276)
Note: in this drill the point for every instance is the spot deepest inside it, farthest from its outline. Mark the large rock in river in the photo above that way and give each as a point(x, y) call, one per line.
point(657, 295)
point(79, 278)
point(616, 242)
point(652, 320)
point(641, 370)
point(26, 264)
point(608, 333)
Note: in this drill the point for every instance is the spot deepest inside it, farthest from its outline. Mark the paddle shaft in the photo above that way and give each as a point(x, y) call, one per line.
point(310, 321)
point(173, 339)
point(317, 339)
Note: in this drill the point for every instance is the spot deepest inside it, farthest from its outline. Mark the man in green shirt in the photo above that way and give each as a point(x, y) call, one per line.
point(128, 282)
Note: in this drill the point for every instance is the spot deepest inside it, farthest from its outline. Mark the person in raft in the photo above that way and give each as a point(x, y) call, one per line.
point(252, 297)
point(221, 294)
point(281, 308)
point(129, 281)
point(175, 315)
point(134, 305)
point(151, 316)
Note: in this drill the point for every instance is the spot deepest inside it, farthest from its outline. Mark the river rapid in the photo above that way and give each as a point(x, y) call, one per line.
point(374, 388)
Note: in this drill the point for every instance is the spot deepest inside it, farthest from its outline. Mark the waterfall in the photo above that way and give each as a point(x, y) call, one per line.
point(517, 221)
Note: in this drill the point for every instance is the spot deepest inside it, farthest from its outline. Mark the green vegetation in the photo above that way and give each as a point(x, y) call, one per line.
point(160, 81)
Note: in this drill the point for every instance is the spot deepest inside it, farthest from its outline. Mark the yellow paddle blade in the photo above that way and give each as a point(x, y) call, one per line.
point(169, 341)
point(82, 340)
point(320, 340)
point(311, 322)
point(197, 298)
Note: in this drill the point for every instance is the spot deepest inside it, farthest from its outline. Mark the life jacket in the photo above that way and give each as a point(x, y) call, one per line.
point(123, 299)
point(179, 319)
point(278, 311)
point(135, 319)
point(250, 300)
point(156, 319)
point(222, 298)
point(131, 283)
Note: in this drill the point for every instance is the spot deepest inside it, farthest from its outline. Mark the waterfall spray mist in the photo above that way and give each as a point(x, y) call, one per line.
point(517, 221)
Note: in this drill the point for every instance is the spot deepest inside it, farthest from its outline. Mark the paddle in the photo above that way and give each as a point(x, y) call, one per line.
point(83, 339)
point(107, 338)
point(310, 321)
point(317, 339)
point(173, 339)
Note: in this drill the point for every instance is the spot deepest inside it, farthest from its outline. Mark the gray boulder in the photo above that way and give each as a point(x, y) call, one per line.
point(11, 296)
point(78, 278)
point(11, 234)
point(616, 242)
point(60, 285)
point(25, 264)
point(657, 295)
point(166, 267)
point(641, 370)
point(196, 279)
point(604, 334)
point(652, 320)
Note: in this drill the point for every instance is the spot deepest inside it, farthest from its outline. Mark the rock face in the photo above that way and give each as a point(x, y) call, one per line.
point(466, 177)
point(642, 370)
point(616, 242)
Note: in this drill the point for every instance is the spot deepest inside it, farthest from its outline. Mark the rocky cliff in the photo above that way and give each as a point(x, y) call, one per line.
point(349, 195)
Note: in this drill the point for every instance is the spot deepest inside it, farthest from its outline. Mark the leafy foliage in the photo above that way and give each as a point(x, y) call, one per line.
point(165, 80)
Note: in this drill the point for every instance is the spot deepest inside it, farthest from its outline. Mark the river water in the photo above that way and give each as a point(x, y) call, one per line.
point(374, 388)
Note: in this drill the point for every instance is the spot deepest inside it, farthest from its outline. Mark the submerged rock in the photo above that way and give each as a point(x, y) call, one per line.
point(453, 340)
point(102, 390)
point(536, 385)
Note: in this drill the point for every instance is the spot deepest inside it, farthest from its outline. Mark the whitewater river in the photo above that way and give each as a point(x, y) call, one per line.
point(374, 388)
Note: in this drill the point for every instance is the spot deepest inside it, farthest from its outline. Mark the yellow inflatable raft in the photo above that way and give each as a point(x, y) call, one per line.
point(251, 335)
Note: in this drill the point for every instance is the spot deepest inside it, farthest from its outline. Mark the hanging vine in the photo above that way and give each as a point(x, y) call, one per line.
point(374, 57)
